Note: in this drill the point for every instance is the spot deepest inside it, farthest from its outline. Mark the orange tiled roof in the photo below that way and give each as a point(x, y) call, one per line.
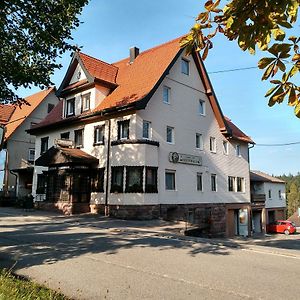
point(237, 133)
point(6, 110)
point(21, 113)
point(136, 80)
point(98, 68)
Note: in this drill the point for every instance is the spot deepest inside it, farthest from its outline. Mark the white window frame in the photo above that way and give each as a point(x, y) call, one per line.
point(234, 184)
point(199, 175)
point(225, 147)
point(68, 113)
point(185, 62)
point(173, 172)
point(242, 184)
point(168, 93)
point(213, 144)
point(31, 151)
point(84, 97)
point(199, 137)
point(172, 142)
point(149, 131)
point(211, 181)
point(97, 130)
point(238, 150)
point(270, 194)
point(201, 107)
point(279, 194)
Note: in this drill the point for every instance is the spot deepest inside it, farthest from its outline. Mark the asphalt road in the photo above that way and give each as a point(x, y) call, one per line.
point(101, 259)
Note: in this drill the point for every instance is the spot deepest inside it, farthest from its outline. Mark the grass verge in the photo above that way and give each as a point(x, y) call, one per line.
point(12, 287)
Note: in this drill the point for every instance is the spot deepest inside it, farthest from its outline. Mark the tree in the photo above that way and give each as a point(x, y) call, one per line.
point(33, 33)
point(256, 24)
point(293, 200)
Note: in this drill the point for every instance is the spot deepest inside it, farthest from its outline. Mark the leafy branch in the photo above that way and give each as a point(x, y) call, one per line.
point(256, 24)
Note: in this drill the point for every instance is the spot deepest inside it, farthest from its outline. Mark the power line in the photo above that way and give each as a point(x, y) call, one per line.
point(278, 145)
point(232, 70)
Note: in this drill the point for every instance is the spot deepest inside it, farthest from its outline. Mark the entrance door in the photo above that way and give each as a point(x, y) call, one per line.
point(81, 191)
point(271, 216)
point(257, 221)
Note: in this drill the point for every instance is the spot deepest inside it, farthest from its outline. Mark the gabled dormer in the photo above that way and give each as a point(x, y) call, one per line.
point(87, 82)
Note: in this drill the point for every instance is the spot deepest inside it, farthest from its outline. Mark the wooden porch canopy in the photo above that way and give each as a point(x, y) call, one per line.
point(65, 156)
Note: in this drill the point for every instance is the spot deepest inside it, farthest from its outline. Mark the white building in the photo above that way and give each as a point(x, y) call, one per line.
point(268, 200)
point(149, 140)
point(19, 146)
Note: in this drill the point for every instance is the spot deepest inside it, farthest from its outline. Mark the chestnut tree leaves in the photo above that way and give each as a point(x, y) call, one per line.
point(256, 24)
point(32, 35)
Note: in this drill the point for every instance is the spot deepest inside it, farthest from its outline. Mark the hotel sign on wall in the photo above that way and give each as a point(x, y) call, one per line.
point(181, 158)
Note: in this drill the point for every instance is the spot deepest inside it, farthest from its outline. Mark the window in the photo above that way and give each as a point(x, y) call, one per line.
point(78, 138)
point(117, 179)
point(44, 144)
point(225, 147)
point(185, 66)
point(279, 194)
point(238, 150)
point(166, 94)
point(31, 155)
point(146, 129)
point(199, 141)
point(85, 101)
point(170, 135)
point(213, 179)
point(97, 181)
point(70, 107)
point(134, 179)
point(99, 132)
point(41, 184)
point(65, 136)
point(50, 107)
point(123, 130)
point(240, 184)
point(270, 194)
point(151, 180)
point(170, 180)
point(199, 182)
point(212, 144)
point(201, 108)
point(231, 184)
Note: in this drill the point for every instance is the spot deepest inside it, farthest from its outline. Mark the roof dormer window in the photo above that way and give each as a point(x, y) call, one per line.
point(70, 107)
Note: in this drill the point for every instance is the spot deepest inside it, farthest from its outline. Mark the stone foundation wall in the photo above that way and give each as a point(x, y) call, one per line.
point(64, 207)
point(210, 218)
point(133, 212)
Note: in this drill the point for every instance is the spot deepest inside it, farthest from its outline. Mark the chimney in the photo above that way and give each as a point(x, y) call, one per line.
point(134, 52)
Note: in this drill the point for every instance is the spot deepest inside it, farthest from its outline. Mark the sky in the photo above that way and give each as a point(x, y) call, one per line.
point(111, 27)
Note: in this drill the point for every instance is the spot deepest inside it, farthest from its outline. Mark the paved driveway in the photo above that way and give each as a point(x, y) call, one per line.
point(97, 258)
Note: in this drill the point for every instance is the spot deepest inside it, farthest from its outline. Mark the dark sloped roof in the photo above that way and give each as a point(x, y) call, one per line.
point(263, 177)
point(59, 155)
point(237, 133)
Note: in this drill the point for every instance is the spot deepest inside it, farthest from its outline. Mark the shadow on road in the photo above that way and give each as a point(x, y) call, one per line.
point(46, 242)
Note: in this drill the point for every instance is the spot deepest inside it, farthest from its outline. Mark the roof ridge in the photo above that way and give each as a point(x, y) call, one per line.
point(48, 90)
point(95, 58)
point(151, 49)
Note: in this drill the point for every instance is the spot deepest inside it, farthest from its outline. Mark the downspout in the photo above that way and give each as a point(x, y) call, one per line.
point(14, 174)
point(106, 208)
point(250, 218)
point(6, 174)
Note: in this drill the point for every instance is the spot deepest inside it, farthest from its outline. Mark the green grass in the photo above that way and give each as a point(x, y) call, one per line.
point(13, 288)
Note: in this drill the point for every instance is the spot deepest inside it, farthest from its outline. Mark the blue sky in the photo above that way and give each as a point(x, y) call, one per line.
point(111, 27)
